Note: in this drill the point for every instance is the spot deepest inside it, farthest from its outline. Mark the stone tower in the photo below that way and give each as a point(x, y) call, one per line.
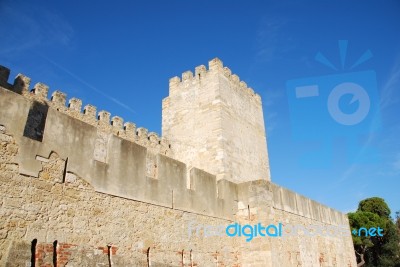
point(215, 122)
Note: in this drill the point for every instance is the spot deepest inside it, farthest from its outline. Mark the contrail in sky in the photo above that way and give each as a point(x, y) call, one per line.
point(116, 101)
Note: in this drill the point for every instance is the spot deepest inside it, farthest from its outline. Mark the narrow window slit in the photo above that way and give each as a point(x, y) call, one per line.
point(109, 255)
point(55, 244)
point(172, 196)
point(183, 253)
point(65, 170)
point(33, 252)
point(148, 258)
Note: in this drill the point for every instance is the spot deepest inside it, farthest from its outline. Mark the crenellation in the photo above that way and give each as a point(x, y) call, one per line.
point(235, 79)
point(200, 71)
point(75, 104)
point(58, 98)
point(104, 117)
point(174, 80)
point(130, 130)
point(90, 112)
point(257, 97)
point(227, 190)
point(142, 133)
point(142, 136)
point(21, 84)
point(187, 75)
point(215, 65)
point(166, 102)
point(117, 122)
point(4, 75)
point(227, 72)
point(173, 84)
point(164, 142)
point(251, 91)
point(154, 138)
point(41, 90)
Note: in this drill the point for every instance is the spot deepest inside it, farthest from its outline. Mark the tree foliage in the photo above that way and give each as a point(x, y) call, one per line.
point(375, 250)
point(375, 205)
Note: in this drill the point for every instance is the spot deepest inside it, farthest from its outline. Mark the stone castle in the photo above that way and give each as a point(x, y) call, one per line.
point(79, 188)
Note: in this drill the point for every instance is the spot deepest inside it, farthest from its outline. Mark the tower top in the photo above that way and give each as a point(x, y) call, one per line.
point(216, 123)
point(215, 66)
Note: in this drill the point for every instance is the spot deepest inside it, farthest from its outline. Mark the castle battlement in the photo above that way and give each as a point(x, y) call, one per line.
point(118, 158)
point(88, 114)
point(215, 66)
point(83, 188)
point(111, 144)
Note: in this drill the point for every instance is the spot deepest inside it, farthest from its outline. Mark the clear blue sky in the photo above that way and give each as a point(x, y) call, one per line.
point(119, 56)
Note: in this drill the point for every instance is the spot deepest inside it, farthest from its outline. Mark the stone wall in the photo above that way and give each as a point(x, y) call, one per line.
point(92, 228)
point(77, 191)
point(323, 237)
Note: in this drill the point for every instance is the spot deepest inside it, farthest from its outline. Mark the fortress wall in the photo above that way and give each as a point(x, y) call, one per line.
point(313, 234)
point(330, 246)
point(91, 227)
point(101, 120)
point(109, 163)
point(107, 199)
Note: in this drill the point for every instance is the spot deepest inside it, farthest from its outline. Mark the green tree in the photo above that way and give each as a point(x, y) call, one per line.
point(375, 205)
point(363, 243)
point(375, 250)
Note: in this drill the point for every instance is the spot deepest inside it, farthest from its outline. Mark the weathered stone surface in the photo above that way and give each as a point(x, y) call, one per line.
point(216, 124)
point(94, 194)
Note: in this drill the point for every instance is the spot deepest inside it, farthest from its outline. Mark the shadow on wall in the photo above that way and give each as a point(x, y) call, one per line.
point(35, 123)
